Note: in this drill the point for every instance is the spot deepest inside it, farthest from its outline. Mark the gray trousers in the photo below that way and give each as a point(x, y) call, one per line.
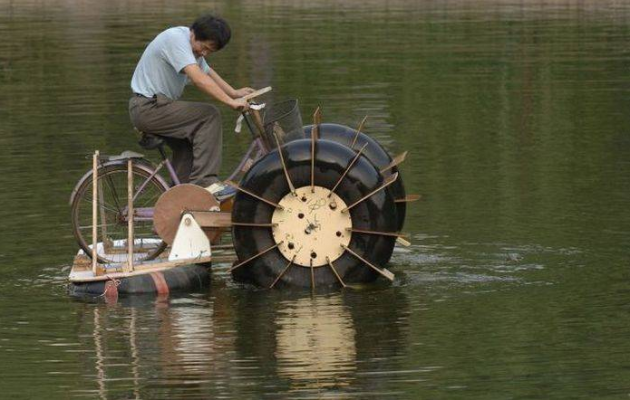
point(192, 131)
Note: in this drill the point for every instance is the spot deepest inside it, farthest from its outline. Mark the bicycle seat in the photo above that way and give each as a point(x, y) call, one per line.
point(149, 141)
point(125, 155)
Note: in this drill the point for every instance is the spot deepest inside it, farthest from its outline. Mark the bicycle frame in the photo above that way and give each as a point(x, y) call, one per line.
point(146, 213)
point(256, 150)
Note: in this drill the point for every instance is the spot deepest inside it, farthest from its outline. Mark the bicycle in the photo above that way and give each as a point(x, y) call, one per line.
point(149, 185)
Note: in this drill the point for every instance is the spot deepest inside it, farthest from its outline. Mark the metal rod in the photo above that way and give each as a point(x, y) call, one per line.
point(388, 182)
point(313, 139)
point(169, 167)
point(244, 160)
point(356, 136)
point(130, 241)
point(284, 166)
point(254, 225)
point(271, 203)
point(354, 160)
point(282, 273)
point(172, 173)
point(386, 273)
point(312, 276)
point(103, 216)
point(255, 256)
point(395, 234)
point(317, 119)
point(330, 264)
point(94, 210)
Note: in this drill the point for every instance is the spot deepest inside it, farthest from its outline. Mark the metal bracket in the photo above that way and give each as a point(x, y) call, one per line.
point(190, 240)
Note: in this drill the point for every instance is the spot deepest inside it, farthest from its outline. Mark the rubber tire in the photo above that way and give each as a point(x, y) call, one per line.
point(374, 152)
point(86, 187)
point(266, 179)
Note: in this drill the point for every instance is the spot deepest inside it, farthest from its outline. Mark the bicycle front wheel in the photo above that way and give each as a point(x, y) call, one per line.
point(113, 215)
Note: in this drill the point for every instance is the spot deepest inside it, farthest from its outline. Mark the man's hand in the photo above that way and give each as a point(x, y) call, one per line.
point(239, 105)
point(238, 93)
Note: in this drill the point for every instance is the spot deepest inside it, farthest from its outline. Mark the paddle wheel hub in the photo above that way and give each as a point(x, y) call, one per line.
point(311, 227)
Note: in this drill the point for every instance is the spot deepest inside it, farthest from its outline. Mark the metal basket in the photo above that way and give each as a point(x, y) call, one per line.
point(284, 120)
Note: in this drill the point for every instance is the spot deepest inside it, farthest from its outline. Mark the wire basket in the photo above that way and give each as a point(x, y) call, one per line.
point(284, 120)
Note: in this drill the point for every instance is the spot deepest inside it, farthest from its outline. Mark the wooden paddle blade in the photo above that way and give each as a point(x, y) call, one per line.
point(409, 198)
point(317, 116)
point(396, 161)
point(383, 271)
point(255, 256)
point(388, 181)
point(396, 234)
point(403, 242)
point(354, 160)
point(359, 129)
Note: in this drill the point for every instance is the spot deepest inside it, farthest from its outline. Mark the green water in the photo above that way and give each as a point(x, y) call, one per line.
point(516, 116)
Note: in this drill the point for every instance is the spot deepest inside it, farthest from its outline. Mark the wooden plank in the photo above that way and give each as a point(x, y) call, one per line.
point(116, 271)
point(256, 93)
point(212, 219)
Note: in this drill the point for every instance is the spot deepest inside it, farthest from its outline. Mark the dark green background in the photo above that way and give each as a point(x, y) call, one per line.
point(516, 118)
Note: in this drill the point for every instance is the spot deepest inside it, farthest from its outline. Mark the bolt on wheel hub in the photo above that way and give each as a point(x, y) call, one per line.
point(311, 226)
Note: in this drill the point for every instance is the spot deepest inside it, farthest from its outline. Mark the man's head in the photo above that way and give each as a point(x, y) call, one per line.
point(209, 34)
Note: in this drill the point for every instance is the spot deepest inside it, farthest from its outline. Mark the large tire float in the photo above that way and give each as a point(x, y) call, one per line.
point(373, 151)
point(186, 278)
point(321, 217)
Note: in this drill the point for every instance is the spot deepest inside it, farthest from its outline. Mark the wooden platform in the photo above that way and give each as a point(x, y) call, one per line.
point(82, 268)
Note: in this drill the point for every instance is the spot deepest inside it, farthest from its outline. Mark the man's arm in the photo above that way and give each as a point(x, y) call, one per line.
point(227, 88)
point(212, 88)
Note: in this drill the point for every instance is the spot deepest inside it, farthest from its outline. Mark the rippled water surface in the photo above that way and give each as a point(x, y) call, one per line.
point(516, 116)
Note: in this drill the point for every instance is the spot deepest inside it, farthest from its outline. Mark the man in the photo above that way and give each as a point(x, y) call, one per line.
point(192, 130)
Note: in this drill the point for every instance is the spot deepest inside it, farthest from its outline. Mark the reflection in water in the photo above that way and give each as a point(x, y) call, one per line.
point(315, 342)
point(130, 341)
point(296, 343)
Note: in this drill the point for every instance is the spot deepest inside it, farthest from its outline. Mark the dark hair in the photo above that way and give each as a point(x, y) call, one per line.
point(215, 29)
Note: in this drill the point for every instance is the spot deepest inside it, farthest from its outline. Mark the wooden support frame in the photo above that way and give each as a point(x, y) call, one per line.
point(130, 214)
point(95, 212)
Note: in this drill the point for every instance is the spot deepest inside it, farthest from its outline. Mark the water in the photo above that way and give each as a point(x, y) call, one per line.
point(515, 116)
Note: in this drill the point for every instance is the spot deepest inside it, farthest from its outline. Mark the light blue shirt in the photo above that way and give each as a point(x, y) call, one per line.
point(160, 69)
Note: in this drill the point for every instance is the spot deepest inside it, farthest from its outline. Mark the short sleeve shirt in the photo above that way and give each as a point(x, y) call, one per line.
point(160, 69)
